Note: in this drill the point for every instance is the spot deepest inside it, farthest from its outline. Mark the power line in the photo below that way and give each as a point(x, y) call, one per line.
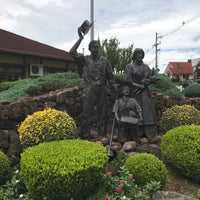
point(181, 25)
point(159, 36)
point(195, 53)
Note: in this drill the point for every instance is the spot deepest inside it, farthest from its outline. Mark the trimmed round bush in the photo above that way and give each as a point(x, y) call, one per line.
point(180, 115)
point(146, 168)
point(4, 166)
point(47, 125)
point(180, 148)
point(192, 90)
point(65, 169)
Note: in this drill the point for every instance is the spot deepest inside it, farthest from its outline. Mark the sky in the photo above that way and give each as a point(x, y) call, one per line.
point(55, 22)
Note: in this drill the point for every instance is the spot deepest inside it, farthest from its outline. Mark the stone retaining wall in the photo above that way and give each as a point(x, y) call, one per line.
point(12, 113)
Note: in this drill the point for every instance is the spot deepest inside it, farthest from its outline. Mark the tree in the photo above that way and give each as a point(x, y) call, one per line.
point(125, 58)
point(118, 57)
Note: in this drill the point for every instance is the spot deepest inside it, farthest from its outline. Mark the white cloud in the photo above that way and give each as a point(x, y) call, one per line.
point(55, 22)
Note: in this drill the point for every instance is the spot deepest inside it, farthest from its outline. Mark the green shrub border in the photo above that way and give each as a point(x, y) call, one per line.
point(146, 167)
point(4, 167)
point(72, 168)
point(180, 149)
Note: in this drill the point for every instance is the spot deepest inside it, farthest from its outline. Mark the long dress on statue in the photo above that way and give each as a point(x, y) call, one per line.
point(142, 74)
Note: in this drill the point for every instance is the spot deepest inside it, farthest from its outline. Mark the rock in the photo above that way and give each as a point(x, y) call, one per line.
point(153, 149)
point(144, 141)
point(167, 195)
point(105, 141)
point(131, 153)
point(129, 146)
point(116, 146)
point(4, 136)
point(69, 101)
point(99, 142)
point(156, 139)
point(60, 97)
point(15, 147)
point(4, 113)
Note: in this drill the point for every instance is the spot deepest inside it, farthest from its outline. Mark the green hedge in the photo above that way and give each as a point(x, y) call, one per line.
point(180, 148)
point(27, 87)
point(165, 86)
point(54, 81)
point(6, 85)
point(63, 169)
point(146, 168)
point(192, 90)
point(4, 166)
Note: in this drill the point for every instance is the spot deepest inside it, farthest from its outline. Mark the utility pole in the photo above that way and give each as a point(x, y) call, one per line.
point(156, 51)
point(92, 19)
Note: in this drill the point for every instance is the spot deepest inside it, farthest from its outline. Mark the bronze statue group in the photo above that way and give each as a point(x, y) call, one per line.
point(133, 109)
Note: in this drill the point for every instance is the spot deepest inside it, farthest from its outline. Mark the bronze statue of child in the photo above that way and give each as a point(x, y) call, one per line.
point(128, 113)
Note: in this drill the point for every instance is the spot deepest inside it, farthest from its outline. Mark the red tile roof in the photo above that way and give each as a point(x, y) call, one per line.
point(10, 42)
point(180, 68)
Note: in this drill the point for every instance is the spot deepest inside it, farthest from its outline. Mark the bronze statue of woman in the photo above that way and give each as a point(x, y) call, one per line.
point(141, 76)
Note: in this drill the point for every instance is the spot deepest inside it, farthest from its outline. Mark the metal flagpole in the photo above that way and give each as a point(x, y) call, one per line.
point(92, 19)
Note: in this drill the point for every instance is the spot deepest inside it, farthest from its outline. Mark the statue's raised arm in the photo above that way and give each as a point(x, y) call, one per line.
point(82, 31)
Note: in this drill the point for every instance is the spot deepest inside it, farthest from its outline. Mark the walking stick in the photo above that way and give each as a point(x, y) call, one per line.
point(110, 152)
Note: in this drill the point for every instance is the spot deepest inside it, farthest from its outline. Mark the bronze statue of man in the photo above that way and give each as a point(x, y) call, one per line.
point(97, 72)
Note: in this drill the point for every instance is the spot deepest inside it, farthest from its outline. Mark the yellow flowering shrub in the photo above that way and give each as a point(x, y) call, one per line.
point(180, 115)
point(47, 125)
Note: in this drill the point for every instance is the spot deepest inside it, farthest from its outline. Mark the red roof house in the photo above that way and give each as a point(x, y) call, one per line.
point(180, 71)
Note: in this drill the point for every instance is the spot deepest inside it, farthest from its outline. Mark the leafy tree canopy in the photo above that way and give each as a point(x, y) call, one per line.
point(118, 57)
